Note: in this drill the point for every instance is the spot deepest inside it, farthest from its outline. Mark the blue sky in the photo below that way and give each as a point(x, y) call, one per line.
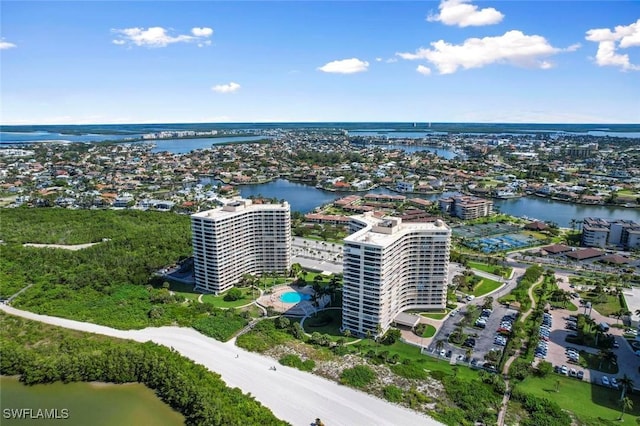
point(454, 60)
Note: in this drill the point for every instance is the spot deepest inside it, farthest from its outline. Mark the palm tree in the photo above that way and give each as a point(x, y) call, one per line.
point(625, 383)
point(606, 355)
point(627, 404)
point(439, 345)
point(467, 354)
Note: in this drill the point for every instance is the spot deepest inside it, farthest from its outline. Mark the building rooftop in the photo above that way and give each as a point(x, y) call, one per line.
point(238, 205)
point(557, 248)
point(382, 231)
point(585, 254)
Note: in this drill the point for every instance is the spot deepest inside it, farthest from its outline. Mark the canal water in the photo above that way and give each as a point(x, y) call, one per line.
point(92, 404)
point(305, 198)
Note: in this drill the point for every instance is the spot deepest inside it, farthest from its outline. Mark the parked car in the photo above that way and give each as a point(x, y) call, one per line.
point(580, 375)
point(605, 381)
point(564, 369)
point(614, 383)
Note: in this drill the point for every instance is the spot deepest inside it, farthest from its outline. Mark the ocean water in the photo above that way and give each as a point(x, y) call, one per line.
point(91, 133)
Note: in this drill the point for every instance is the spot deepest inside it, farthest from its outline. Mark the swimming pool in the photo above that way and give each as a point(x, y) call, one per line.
point(293, 297)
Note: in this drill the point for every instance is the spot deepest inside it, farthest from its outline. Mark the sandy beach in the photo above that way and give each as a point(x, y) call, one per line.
point(292, 395)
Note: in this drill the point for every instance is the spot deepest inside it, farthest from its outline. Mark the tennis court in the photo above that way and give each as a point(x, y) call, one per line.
point(485, 230)
point(501, 243)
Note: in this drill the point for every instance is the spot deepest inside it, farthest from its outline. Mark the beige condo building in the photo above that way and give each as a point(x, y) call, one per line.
point(240, 238)
point(392, 266)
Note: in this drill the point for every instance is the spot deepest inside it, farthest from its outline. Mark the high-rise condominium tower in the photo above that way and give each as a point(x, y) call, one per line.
point(391, 267)
point(240, 238)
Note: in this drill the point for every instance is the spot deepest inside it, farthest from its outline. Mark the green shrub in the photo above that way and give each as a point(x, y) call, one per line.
point(438, 375)
point(295, 362)
point(263, 337)
point(358, 376)
point(541, 410)
point(221, 327)
point(416, 398)
point(409, 371)
point(392, 393)
point(233, 295)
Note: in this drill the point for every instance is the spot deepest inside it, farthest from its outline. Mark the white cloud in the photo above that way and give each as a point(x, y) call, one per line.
point(624, 36)
point(423, 70)
point(6, 45)
point(345, 66)
point(201, 32)
point(464, 14)
point(513, 48)
point(573, 47)
point(160, 37)
point(546, 65)
point(378, 59)
point(226, 88)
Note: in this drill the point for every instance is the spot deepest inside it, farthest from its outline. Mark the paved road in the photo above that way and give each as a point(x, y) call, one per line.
point(292, 395)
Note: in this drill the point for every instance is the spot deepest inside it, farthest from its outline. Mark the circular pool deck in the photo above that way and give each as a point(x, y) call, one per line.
point(274, 300)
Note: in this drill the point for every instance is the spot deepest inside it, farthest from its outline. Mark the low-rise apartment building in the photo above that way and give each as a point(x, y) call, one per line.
point(597, 232)
point(466, 207)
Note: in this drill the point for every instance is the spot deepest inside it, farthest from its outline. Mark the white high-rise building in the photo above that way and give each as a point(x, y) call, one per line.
point(391, 267)
point(240, 238)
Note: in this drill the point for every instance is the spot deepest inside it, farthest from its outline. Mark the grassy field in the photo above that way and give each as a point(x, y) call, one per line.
point(327, 322)
point(485, 286)
point(219, 302)
point(589, 402)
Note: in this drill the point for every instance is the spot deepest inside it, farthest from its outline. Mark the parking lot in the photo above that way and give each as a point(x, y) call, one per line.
point(484, 337)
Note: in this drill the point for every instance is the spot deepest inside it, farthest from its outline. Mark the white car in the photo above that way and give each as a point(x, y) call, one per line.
point(605, 381)
point(614, 383)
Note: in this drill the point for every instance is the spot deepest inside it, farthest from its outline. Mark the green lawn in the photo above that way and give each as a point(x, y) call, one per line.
point(491, 269)
point(485, 286)
point(591, 361)
point(589, 402)
point(268, 282)
point(219, 302)
point(327, 322)
point(605, 304)
point(184, 290)
point(411, 352)
point(569, 306)
point(435, 315)
point(429, 331)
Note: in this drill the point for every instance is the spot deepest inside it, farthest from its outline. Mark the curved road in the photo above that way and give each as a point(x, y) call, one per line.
point(292, 395)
